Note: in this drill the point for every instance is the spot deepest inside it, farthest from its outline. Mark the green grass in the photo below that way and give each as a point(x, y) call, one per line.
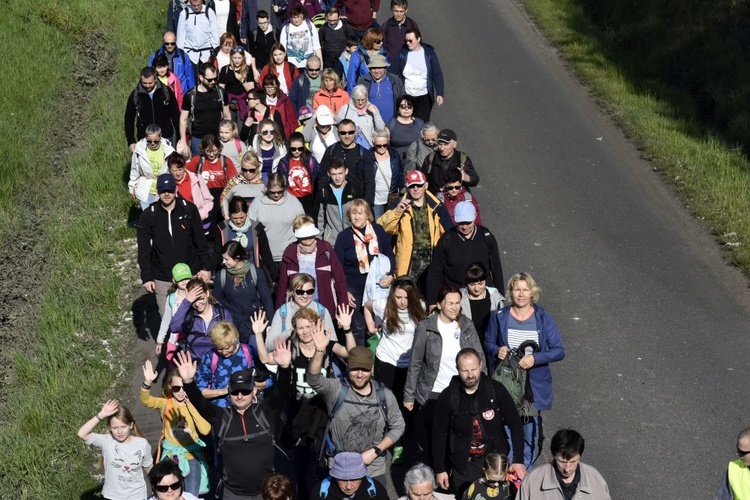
point(66, 364)
point(713, 176)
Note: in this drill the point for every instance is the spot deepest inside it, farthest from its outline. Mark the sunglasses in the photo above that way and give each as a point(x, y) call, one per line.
point(313, 70)
point(404, 281)
point(405, 106)
point(153, 142)
point(381, 145)
point(266, 132)
point(377, 41)
point(249, 170)
point(244, 392)
point(309, 291)
point(451, 188)
point(237, 49)
point(177, 388)
point(275, 193)
point(741, 453)
point(163, 488)
point(415, 186)
point(347, 132)
point(170, 44)
point(209, 80)
point(296, 149)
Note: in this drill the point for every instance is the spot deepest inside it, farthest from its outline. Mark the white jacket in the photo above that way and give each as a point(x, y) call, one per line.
point(141, 169)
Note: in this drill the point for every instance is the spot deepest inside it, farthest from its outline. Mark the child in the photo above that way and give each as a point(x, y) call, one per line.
point(126, 454)
point(232, 147)
point(181, 274)
point(453, 192)
point(495, 482)
point(352, 42)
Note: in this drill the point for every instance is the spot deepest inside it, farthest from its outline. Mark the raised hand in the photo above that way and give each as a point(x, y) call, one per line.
point(282, 353)
point(344, 316)
point(321, 337)
point(186, 366)
point(109, 408)
point(149, 374)
point(259, 323)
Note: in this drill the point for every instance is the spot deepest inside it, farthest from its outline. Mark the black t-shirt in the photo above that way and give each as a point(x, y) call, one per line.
point(568, 489)
point(300, 364)
point(207, 111)
point(233, 85)
point(480, 314)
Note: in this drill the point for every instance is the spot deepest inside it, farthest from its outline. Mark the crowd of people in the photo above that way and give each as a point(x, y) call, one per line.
point(333, 311)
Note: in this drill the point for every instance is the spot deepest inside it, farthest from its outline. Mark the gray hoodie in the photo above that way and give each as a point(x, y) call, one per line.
point(277, 218)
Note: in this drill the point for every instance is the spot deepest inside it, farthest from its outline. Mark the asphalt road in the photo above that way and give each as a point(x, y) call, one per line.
point(654, 322)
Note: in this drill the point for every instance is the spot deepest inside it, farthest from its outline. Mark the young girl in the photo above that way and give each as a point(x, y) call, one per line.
point(495, 482)
point(269, 145)
point(126, 454)
point(180, 440)
point(181, 274)
point(232, 147)
point(167, 77)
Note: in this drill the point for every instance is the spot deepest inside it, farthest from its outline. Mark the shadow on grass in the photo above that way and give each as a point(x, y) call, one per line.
point(146, 319)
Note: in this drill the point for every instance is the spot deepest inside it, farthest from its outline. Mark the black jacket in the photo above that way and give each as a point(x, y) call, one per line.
point(434, 167)
point(452, 429)
point(141, 111)
point(354, 159)
point(159, 251)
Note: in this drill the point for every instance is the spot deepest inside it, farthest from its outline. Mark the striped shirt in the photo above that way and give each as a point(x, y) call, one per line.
point(521, 331)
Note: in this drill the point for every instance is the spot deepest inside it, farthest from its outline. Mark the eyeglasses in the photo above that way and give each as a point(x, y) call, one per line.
point(381, 145)
point(209, 80)
point(249, 170)
point(275, 193)
point(300, 293)
point(405, 105)
point(153, 142)
point(295, 149)
point(163, 488)
point(266, 132)
point(244, 392)
point(741, 453)
point(451, 188)
point(177, 388)
point(347, 132)
point(170, 44)
point(313, 70)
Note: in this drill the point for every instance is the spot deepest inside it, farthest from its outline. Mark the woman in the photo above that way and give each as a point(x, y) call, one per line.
point(405, 128)
point(247, 185)
point(300, 170)
point(269, 144)
point(514, 324)
point(314, 257)
point(196, 315)
point(191, 187)
point(301, 291)
point(215, 169)
point(238, 78)
point(276, 99)
point(396, 318)
point(320, 133)
point(331, 94)
point(167, 482)
point(122, 444)
point(226, 16)
point(167, 77)
point(479, 301)
point(241, 289)
point(257, 112)
point(182, 426)
point(238, 226)
point(372, 43)
point(274, 213)
point(419, 69)
point(364, 114)
point(279, 66)
point(223, 54)
point(149, 160)
point(389, 176)
point(494, 484)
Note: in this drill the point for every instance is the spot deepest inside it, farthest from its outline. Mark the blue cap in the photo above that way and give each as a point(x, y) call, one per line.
point(165, 183)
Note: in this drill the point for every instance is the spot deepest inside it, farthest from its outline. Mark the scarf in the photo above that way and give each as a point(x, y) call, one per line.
point(241, 231)
point(364, 246)
point(239, 273)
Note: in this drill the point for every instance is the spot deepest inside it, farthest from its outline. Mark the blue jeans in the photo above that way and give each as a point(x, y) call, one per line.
point(195, 146)
point(378, 210)
point(193, 480)
point(531, 432)
point(149, 201)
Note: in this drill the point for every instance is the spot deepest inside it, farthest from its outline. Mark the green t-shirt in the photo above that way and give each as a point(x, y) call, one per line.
point(156, 158)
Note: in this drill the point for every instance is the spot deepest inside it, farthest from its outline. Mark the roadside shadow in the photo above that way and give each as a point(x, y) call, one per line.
point(92, 494)
point(146, 319)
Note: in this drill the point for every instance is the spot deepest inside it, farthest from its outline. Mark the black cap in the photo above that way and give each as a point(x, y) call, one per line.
point(447, 135)
point(243, 379)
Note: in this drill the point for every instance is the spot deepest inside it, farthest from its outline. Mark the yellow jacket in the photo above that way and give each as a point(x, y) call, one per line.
point(401, 225)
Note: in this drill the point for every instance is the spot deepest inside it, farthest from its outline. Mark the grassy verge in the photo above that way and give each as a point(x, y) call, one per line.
point(713, 176)
point(63, 98)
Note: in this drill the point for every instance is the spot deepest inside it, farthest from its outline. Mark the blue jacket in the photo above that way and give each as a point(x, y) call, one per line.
point(358, 66)
point(435, 83)
point(183, 68)
point(397, 172)
point(299, 90)
point(551, 350)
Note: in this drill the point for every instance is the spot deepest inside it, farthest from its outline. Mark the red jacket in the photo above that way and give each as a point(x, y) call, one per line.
point(330, 279)
point(359, 12)
point(288, 115)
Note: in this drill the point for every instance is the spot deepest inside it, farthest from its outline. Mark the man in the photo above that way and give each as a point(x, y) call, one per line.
point(333, 35)
point(306, 84)
point(261, 39)
point(245, 431)
point(448, 158)
point(332, 201)
point(150, 103)
point(454, 192)
point(736, 482)
point(361, 14)
point(395, 28)
point(348, 480)
point(383, 88)
point(365, 417)
point(252, 8)
point(198, 32)
point(460, 247)
point(170, 232)
point(300, 38)
point(418, 220)
point(419, 150)
point(178, 60)
point(566, 477)
point(470, 414)
point(204, 107)
point(352, 154)
point(418, 66)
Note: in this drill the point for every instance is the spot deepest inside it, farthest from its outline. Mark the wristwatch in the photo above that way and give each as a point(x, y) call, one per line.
point(377, 450)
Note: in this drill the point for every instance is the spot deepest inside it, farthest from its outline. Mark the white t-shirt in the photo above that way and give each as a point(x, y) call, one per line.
point(451, 334)
point(318, 145)
point(300, 42)
point(415, 73)
point(123, 465)
point(222, 15)
point(394, 348)
point(383, 176)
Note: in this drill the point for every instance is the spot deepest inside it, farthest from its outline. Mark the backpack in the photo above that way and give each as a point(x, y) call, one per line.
point(188, 325)
point(223, 274)
point(284, 313)
point(462, 159)
point(215, 360)
point(199, 169)
point(189, 11)
point(134, 97)
point(192, 94)
point(515, 379)
point(329, 448)
point(325, 485)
